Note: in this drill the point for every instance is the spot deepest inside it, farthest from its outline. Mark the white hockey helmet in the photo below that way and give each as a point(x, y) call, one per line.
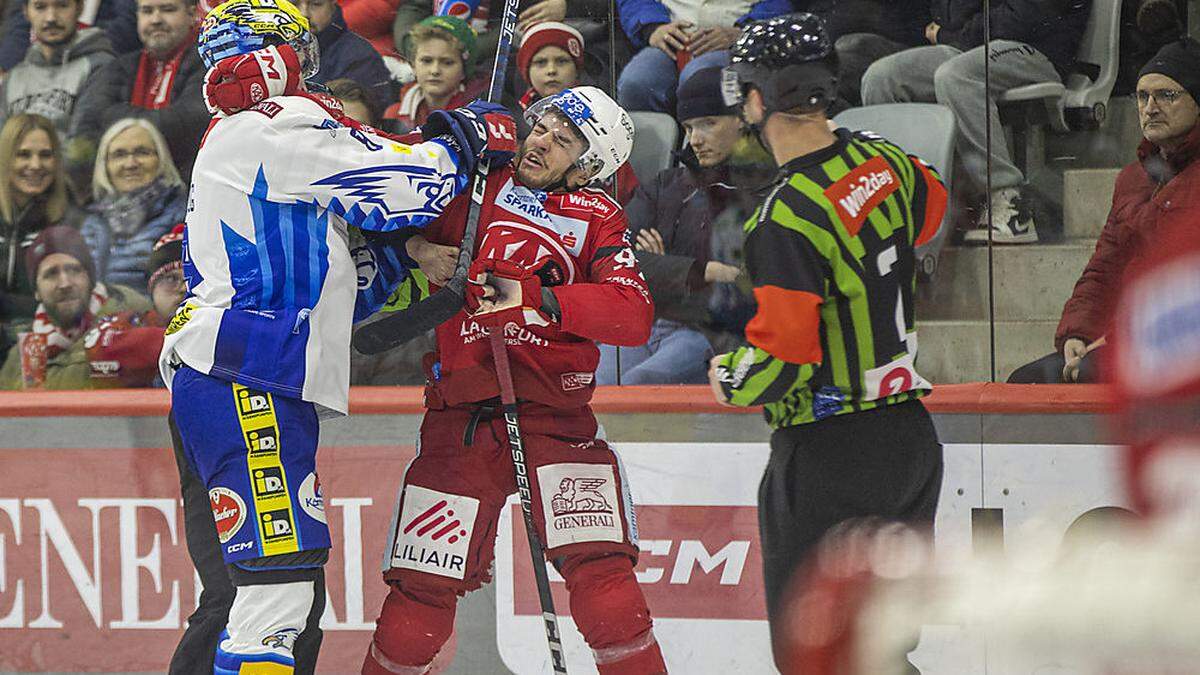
point(604, 125)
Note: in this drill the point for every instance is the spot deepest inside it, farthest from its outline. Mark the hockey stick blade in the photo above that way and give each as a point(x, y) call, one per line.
point(410, 322)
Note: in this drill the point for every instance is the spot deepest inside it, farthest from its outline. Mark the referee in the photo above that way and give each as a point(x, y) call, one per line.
point(831, 351)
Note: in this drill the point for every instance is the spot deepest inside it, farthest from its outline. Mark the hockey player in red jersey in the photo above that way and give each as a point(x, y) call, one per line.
point(554, 270)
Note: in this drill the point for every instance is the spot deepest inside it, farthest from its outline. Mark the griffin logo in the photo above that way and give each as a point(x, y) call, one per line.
point(580, 495)
point(585, 506)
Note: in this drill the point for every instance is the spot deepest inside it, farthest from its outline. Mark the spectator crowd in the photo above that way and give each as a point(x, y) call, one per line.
point(102, 115)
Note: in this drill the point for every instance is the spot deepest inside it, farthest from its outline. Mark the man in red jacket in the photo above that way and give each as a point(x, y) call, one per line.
point(1163, 184)
point(554, 270)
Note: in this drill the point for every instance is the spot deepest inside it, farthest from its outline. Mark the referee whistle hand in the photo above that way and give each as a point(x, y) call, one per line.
point(714, 379)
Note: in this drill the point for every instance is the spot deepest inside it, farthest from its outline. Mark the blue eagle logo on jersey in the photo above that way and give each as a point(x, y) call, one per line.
point(366, 191)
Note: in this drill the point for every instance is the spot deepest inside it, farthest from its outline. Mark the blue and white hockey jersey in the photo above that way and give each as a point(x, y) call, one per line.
point(274, 278)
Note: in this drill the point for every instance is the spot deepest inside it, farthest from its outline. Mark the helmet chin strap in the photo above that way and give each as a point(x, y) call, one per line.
point(755, 128)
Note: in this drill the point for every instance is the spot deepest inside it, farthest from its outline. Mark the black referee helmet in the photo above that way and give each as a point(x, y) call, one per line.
point(789, 59)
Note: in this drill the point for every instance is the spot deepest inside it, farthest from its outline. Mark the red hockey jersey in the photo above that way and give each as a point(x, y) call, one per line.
point(603, 295)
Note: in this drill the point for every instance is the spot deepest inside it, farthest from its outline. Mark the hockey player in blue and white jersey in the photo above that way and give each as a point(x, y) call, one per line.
point(260, 349)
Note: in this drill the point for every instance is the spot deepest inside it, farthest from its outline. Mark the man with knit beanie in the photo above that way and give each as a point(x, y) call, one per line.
point(674, 221)
point(53, 352)
point(1162, 185)
point(123, 348)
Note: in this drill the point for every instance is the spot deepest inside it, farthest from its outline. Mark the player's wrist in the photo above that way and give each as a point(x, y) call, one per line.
point(550, 306)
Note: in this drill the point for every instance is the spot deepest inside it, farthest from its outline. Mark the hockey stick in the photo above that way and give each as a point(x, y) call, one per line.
point(401, 326)
point(612, 91)
point(508, 400)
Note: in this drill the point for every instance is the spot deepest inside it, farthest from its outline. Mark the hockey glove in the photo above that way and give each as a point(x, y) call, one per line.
point(500, 292)
point(241, 82)
point(480, 130)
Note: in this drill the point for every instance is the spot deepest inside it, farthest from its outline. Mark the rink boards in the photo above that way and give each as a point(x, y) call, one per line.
point(94, 576)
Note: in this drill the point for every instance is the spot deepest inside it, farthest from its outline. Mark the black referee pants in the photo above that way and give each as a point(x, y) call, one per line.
point(885, 462)
point(197, 648)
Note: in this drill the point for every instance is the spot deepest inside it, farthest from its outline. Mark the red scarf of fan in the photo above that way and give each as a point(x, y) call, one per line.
point(152, 83)
point(45, 340)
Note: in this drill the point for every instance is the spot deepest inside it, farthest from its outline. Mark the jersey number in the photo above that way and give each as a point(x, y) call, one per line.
point(899, 375)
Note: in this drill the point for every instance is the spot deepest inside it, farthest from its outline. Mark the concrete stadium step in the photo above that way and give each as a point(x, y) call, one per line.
point(1087, 197)
point(952, 352)
point(1032, 282)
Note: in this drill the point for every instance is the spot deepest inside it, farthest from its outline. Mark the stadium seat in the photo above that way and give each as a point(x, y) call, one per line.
point(926, 130)
point(655, 137)
point(1079, 104)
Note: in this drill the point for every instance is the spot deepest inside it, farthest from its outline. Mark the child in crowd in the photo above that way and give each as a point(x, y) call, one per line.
point(550, 59)
point(440, 49)
point(123, 348)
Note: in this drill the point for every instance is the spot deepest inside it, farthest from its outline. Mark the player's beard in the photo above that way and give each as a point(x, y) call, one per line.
point(538, 180)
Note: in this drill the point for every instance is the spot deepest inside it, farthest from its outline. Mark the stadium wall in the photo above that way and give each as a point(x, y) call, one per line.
point(94, 574)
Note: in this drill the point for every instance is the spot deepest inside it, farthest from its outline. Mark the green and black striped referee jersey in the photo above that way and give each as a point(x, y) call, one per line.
point(412, 290)
point(831, 256)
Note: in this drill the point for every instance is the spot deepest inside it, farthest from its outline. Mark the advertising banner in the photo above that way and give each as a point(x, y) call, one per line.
point(94, 569)
point(95, 577)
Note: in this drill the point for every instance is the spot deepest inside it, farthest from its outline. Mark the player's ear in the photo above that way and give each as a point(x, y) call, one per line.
point(753, 108)
point(575, 179)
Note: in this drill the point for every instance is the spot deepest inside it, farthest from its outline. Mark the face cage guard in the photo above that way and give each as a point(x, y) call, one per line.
point(589, 162)
point(310, 54)
point(305, 45)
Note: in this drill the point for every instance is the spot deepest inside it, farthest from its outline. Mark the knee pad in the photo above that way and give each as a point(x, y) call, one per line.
point(611, 613)
point(263, 625)
point(415, 622)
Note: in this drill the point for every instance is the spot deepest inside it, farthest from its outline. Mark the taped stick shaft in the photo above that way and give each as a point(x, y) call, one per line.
point(516, 446)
